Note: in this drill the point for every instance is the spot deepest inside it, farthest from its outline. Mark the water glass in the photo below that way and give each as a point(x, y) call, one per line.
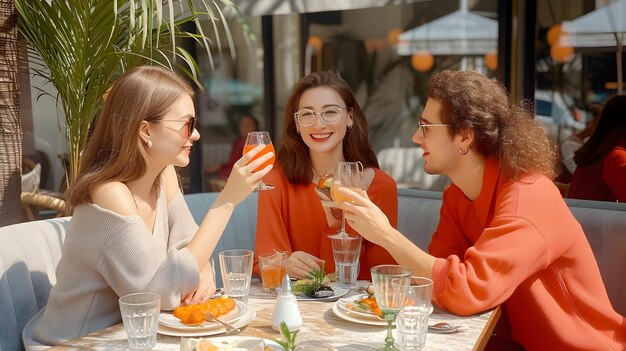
point(236, 267)
point(412, 320)
point(346, 252)
point(273, 268)
point(140, 314)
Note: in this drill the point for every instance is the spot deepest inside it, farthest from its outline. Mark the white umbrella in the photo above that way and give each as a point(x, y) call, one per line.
point(598, 28)
point(604, 27)
point(458, 33)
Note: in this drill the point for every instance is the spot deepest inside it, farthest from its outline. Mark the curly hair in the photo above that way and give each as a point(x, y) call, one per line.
point(506, 131)
point(293, 153)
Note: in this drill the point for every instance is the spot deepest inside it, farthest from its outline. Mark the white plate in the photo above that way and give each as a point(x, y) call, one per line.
point(242, 322)
point(349, 316)
point(167, 319)
point(343, 305)
point(339, 292)
point(239, 341)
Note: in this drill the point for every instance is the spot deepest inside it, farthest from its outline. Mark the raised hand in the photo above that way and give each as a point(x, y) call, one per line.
point(364, 216)
point(242, 180)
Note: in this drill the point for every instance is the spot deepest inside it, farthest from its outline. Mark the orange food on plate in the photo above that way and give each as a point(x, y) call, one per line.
point(194, 314)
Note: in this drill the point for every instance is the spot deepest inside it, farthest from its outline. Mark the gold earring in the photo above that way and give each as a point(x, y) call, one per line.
point(463, 153)
point(350, 127)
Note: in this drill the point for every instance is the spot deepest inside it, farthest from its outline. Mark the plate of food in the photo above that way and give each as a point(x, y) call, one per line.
point(318, 286)
point(230, 343)
point(191, 317)
point(360, 309)
point(361, 305)
point(200, 331)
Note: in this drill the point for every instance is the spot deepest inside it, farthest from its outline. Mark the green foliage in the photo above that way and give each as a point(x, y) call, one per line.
point(313, 281)
point(289, 338)
point(84, 45)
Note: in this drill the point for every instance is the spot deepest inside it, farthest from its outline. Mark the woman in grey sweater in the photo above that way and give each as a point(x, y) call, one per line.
point(131, 230)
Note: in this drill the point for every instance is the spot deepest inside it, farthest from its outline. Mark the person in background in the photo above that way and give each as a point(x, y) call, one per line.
point(601, 171)
point(131, 230)
point(247, 123)
point(505, 236)
point(572, 143)
point(324, 124)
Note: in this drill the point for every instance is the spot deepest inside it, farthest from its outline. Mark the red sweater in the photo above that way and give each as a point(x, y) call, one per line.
point(519, 245)
point(602, 180)
point(291, 218)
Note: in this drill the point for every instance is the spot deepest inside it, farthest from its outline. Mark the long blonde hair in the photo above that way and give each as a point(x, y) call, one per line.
point(114, 151)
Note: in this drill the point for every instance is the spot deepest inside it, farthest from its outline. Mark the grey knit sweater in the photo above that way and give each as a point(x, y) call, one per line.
point(106, 256)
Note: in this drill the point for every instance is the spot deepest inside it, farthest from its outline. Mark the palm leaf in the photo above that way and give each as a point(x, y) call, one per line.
point(87, 44)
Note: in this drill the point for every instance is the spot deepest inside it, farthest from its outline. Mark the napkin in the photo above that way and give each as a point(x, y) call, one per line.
point(236, 344)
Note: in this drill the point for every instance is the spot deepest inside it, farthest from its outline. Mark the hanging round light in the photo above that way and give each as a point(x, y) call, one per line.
point(392, 36)
point(561, 54)
point(422, 61)
point(554, 32)
point(491, 60)
point(315, 42)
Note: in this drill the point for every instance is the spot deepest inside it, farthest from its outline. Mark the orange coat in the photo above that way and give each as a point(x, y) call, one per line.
point(291, 218)
point(519, 245)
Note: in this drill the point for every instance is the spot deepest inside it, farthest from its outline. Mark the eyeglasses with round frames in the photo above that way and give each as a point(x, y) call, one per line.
point(422, 126)
point(329, 115)
point(191, 124)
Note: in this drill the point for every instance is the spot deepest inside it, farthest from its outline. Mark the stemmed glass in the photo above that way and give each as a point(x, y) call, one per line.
point(347, 175)
point(391, 286)
point(260, 138)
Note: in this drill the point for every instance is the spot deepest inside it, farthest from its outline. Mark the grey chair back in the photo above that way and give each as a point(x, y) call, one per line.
point(29, 253)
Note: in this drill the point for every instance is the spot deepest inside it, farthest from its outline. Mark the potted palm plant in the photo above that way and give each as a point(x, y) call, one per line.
point(82, 46)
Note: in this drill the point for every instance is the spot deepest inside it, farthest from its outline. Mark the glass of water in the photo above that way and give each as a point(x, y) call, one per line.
point(236, 267)
point(140, 314)
point(412, 320)
point(346, 252)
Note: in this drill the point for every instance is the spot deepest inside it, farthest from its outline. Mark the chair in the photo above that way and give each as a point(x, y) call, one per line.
point(31, 202)
point(29, 253)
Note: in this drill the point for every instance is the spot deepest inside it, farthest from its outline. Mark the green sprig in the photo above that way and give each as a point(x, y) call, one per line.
point(289, 338)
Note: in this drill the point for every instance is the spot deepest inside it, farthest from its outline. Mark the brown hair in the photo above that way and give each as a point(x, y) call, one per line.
point(114, 151)
point(610, 130)
point(293, 153)
point(508, 132)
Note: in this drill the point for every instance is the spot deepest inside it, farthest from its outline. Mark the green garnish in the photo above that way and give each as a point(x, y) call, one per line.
point(313, 281)
point(289, 342)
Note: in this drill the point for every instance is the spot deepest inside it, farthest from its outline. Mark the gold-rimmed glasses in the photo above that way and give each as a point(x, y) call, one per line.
point(422, 126)
point(329, 115)
point(190, 123)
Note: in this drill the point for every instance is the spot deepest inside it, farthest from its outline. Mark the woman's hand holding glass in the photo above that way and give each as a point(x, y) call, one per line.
point(243, 179)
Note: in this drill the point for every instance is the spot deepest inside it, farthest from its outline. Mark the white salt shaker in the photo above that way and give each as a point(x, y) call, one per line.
point(286, 308)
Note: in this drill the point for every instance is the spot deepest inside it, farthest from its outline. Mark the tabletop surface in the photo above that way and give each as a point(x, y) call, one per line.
point(320, 324)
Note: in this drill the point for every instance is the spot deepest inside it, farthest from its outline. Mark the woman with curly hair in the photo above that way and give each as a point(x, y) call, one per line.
point(505, 235)
point(324, 124)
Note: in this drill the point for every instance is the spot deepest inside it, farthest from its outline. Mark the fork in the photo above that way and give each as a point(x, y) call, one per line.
point(229, 328)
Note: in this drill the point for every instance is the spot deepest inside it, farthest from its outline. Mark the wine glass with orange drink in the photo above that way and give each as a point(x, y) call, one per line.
point(347, 175)
point(260, 138)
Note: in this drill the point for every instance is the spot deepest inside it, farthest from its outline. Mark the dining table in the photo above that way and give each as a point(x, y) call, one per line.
point(321, 326)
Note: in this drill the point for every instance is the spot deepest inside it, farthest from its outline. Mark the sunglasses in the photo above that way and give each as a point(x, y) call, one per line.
point(191, 124)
